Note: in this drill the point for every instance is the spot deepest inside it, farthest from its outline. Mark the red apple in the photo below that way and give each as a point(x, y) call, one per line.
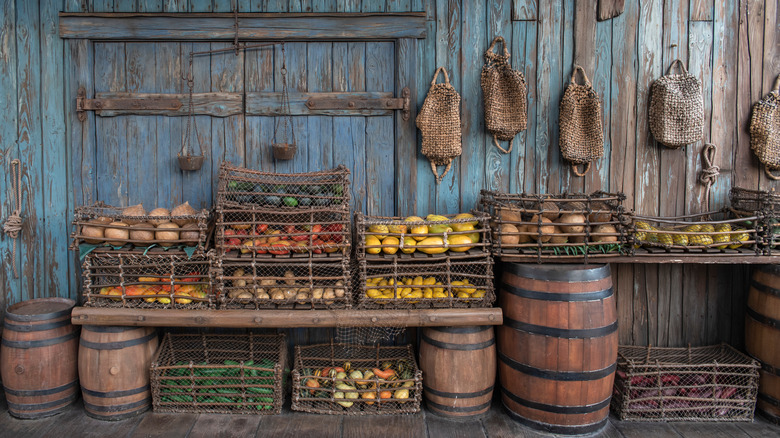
point(261, 228)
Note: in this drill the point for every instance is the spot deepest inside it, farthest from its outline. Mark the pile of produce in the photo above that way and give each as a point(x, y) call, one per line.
point(435, 234)
point(284, 239)
point(247, 288)
point(247, 385)
point(160, 290)
point(285, 195)
point(411, 288)
point(348, 384)
point(179, 226)
point(708, 235)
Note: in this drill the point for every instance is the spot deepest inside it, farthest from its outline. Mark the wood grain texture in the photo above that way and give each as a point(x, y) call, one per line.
point(193, 28)
point(610, 9)
point(9, 150)
point(701, 10)
point(224, 426)
point(524, 10)
point(496, 162)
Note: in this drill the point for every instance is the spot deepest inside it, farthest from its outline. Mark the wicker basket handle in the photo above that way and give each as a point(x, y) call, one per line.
point(506, 151)
point(776, 86)
point(577, 172)
point(436, 75)
point(680, 63)
point(578, 68)
point(769, 173)
point(491, 55)
point(436, 172)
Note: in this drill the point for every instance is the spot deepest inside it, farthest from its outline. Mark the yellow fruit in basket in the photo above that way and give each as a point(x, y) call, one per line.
point(397, 229)
point(478, 294)
point(431, 245)
point(740, 237)
point(700, 240)
point(665, 239)
point(459, 243)
point(416, 294)
point(440, 294)
point(641, 231)
point(380, 229)
point(680, 239)
point(462, 227)
point(707, 228)
point(428, 292)
point(409, 245)
point(373, 293)
point(467, 216)
point(372, 240)
point(437, 218)
point(417, 281)
point(417, 229)
point(390, 245)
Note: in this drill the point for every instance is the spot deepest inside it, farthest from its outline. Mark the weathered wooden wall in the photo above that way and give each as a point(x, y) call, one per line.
point(733, 46)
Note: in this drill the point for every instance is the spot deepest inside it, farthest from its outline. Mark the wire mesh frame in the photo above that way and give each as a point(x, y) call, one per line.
point(253, 233)
point(595, 224)
point(712, 383)
point(402, 230)
point(747, 200)
point(156, 281)
point(239, 186)
point(442, 284)
point(295, 285)
point(88, 216)
point(323, 399)
point(730, 235)
point(227, 374)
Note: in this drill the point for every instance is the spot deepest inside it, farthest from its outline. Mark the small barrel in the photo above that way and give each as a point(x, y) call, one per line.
point(459, 369)
point(38, 357)
point(762, 336)
point(557, 348)
point(114, 370)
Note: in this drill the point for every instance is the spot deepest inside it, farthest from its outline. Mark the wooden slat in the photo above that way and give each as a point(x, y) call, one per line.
point(260, 130)
point(286, 318)
point(160, 425)
point(610, 9)
point(197, 187)
point(251, 26)
point(405, 130)
point(749, 58)
point(224, 426)
point(632, 430)
point(300, 425)
point(644, 259)
point(599, 176)
point(525, 161)
point(701, 10)
point(723, 131)
point(400, 426)
point(524, 10)
point(432, 55)
point(142, 139)
point(295, 54)
point(379, 149)
point(169, 133)
point(440, 427)
point(585, 35)
point(771, 65)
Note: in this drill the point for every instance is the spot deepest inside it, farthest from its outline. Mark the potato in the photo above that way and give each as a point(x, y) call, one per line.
point(317, 292)
point(117, 230)
point(262, 295)
point(572, 218)
point(339, 292)
point(601, 213)
point(558, 238)
point(277, 294)
point(167, 238)
point(245, 295)
point(95, 232)
point(143, 235)
point(606, 228)
point(508, 234)
point(290, 278)
point(190, 234)
point(544, 233)
point(550, 210)
point(161, 213)
point(509, 215)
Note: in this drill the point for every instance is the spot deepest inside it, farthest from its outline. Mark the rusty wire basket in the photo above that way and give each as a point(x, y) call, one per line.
point(385, 239)
point(92, 222)
point(153, 281)
point(225, 374)
point(714, 383)
point(567, 226)
point(302, 284)
point(287, 192)
point(247, 233)
point(343, 379)
point(716, 233)
point(431, 284)
point(765, 205)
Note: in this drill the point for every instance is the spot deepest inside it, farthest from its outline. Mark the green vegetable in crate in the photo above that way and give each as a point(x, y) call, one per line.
point(722, 238)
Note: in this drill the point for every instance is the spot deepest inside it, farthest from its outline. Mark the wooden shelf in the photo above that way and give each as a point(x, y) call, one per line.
point(285, 318)
point(653, 255)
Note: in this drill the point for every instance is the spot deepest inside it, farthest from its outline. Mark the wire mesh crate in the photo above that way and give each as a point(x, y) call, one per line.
point(287, 192)
point(426, 284)
point(161, 280)
point(750, 201)
point(414, 238)
point(245, 233)
point(296, 285)
point(713, 233)
point(347, 379)
point(713, 383)
point(226, 374)
point(557, 226)
point(102, 224)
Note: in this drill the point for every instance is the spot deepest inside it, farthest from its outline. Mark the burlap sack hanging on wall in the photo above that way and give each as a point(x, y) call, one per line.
point(676, 113)
point(505, 94)
point(439, 123)
point(580, 124)
point(765, 130)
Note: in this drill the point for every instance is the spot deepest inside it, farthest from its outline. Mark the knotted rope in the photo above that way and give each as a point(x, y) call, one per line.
point(709, 171)
point(14, 222)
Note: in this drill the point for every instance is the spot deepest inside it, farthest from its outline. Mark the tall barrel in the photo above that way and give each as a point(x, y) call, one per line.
point(114, 370)
point(459, 365)
point(38, 357)
point(557, 349)
point(762, 336)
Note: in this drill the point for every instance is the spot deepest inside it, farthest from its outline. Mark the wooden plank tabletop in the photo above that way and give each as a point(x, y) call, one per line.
point(709, 259)
point(285, 318)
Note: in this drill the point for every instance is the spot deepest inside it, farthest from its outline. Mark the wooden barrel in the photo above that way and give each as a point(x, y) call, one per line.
point(557, 348)
point(114, 370)
point(459, 369)
point(39, 350)
point(762, 336)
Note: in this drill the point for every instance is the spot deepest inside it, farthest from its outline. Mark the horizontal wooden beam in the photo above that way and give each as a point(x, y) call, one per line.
point(208, 104)
point(263, 104)
point(285, 318)
point(710, 259)
point(211, 27)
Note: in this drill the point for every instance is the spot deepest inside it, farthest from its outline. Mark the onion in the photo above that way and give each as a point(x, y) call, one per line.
point(117, 230)
point(166, 238)
point(96, 232)
point(191, 235)
point(140, 231)
point(160, 212)
point(133, 210)
point(183, 210)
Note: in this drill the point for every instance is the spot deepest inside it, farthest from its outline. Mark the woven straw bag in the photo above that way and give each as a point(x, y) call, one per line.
point(439, 122)
point(581, 139)
point(676, 108)
point(765, 130)
point(505, 95)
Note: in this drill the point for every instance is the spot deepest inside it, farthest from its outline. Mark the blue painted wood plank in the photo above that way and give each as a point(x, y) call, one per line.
point(260, 129)
point(348, 5)
point(425, 195)
point(175, 6)
point(224, 5)
point(9, 149)
point(29, 138)
point(497, 163)
point(598, 177)
point(524, 10)
point(277, 6)
point(406, 133)
point(725, 60)
point(323, 6)
point(200, 6)
point(472, 162)
point(126, 5)
point(319, 63)
point(700, 65)
point(227, 134)
point(524, 158)
point(197, 186)
point(75, 6)
point(380, 144)
point(356, 81)
point(171, 130)
point(398, 6)
point(295, 56)
point(60, 274)
point(568, 181)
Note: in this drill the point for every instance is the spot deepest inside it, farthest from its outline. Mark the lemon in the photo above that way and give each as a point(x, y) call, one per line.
point(417, 281)
point(429, 281)
point(428, 292)
point(478, 294)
